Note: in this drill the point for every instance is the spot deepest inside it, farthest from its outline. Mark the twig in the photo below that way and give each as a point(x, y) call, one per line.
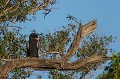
point(91, 74)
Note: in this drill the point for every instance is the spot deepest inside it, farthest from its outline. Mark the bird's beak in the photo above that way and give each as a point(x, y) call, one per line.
point(36, 38)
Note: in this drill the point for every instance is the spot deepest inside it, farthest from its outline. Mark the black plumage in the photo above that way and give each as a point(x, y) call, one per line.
point(33, 45)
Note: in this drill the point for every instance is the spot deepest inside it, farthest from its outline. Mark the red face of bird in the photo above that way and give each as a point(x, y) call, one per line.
point(36, 38)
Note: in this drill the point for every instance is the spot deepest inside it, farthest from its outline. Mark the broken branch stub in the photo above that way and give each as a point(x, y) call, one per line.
point(83, 31)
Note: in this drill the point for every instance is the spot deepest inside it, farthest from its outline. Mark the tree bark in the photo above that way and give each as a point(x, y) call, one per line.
point(46, 64)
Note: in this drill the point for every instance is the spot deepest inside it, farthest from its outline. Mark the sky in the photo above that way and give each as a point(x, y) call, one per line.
point(107, 13)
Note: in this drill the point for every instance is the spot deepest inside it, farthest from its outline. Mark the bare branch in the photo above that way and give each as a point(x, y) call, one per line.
point(54, 52)
point(83, 31)
point(91, 73)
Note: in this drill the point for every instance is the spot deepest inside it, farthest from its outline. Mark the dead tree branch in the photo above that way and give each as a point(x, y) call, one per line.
point(83, 31)
point(47, 64)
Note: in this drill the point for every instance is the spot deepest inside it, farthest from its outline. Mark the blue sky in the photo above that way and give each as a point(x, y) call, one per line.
point(107, 13)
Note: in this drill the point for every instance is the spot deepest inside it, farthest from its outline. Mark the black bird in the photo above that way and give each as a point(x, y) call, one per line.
point(33, 45)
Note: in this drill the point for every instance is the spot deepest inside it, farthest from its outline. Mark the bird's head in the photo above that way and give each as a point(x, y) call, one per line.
point(33, 36)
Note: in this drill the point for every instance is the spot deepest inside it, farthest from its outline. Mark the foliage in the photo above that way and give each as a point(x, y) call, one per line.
point(20, 73)
point(17, 10)
point(94, 45)
point(12, 43)
point(112, 71)
point(91, 46)
point(55, 74)
point(55, 42)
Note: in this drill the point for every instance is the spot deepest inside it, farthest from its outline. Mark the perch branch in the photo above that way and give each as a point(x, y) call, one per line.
point(46, 64)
